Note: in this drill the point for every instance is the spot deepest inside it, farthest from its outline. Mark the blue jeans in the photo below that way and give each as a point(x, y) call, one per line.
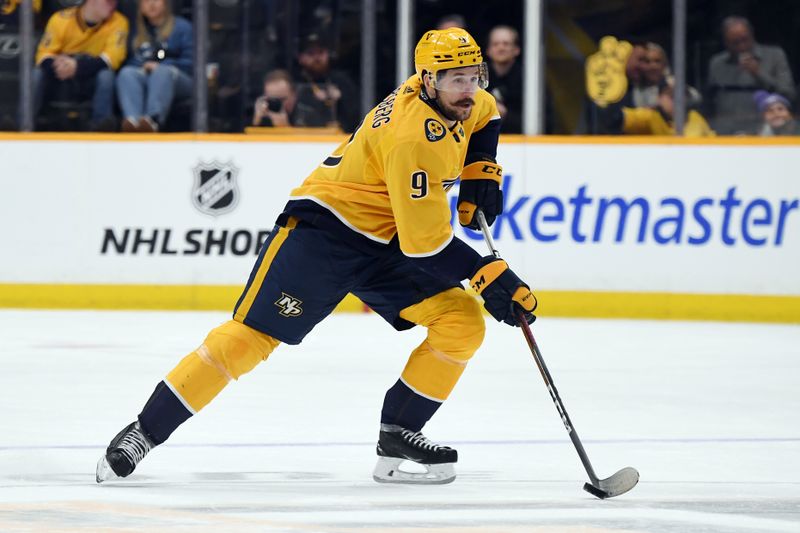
point(101, 88)
point(151, 94)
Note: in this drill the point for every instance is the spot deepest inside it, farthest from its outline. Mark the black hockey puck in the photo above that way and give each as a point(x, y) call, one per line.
point(594, 491)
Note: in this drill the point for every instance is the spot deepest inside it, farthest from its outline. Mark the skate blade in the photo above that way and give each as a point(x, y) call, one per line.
point(387, 470)
point(104, 471)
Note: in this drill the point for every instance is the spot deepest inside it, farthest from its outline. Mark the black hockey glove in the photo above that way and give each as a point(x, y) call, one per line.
point(480, 189)
point(502, 291)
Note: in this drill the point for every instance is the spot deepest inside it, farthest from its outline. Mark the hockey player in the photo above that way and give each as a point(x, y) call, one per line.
point(373, 219)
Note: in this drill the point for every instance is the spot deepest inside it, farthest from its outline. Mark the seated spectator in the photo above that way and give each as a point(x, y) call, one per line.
point(277, 107)
point(737, 73)
point(635, 66)
point(777, 114)
point(331, 93)
point(655, 71)
point(505, 76)
point(453, 20)
point(77, 56)
point(159, 67)
point(613, 75)
point(654, 121)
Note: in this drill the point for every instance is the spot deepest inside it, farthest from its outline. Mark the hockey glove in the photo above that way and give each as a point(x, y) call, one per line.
point(502, 291)
point(480, 189)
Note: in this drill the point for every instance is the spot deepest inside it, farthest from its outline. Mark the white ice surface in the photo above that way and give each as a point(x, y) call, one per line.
point(708, 413)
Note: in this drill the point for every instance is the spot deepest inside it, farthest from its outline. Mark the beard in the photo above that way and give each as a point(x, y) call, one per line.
point(455, 112)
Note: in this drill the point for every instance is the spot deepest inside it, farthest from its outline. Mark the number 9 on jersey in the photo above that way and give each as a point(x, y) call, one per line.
point(419, 184)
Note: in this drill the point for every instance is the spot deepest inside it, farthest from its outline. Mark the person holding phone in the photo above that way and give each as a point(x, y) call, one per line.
point(278, 105)
point(735, 74)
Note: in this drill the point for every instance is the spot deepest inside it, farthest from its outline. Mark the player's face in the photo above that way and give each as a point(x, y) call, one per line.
point(456, 89)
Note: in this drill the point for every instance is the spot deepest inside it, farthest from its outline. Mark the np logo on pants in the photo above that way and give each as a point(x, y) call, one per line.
point(290, 306)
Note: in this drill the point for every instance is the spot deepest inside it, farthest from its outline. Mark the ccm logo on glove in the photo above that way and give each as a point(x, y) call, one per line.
point(502, 291)
point(480, 189)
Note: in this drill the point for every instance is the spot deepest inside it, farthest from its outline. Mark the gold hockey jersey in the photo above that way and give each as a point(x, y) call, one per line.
point(67, 33)
point(392, 175)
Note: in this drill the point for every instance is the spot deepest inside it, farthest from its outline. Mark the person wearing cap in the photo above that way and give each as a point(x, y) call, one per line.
point(777, 114)
point(328, 91)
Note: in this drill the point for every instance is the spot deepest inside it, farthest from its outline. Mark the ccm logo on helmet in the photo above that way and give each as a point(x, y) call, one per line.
point(467, 53)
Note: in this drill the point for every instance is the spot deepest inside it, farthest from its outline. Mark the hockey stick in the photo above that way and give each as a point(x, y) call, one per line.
point(619, 483)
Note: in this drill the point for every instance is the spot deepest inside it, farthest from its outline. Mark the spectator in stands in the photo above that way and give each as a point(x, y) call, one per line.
point(634, 71)
point(619, 119)
point(593, 119)
point(159, 67)
point(737, 73)
point(330, 92)
point(277, 107)
point(80, 50)
point(505, 76)
point(453, 20)
point(655, 71)
point(777, 115)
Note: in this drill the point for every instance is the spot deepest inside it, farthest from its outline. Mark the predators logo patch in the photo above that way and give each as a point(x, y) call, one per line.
point(434, 130)
point(289, 305)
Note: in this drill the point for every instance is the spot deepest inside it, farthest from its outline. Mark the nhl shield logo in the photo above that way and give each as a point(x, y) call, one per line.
point(215, 191)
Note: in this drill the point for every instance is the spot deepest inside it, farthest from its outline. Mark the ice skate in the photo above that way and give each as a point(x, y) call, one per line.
point(126, 450)
point(397, 444)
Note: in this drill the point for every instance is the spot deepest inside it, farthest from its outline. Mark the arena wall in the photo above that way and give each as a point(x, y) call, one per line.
point(600, 227)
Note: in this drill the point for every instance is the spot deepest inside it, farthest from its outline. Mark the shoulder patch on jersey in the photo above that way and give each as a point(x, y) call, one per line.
point(408, 90)
point(434, 130)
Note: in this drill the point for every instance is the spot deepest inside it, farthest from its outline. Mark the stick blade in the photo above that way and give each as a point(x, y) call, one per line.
point(619, 483)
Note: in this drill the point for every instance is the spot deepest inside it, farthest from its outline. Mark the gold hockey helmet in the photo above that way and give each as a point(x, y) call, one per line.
point(440, 50)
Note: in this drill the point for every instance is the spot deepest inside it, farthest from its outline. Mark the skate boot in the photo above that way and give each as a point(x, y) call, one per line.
point(397, 444)
point(126, 450)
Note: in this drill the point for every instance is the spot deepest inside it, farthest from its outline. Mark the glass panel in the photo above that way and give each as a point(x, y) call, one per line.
point(87, 95)
point(9, 65)
point(743, 55)
point(497, 27)
point(593, 88)
point(10, 51)
point(300, 67)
